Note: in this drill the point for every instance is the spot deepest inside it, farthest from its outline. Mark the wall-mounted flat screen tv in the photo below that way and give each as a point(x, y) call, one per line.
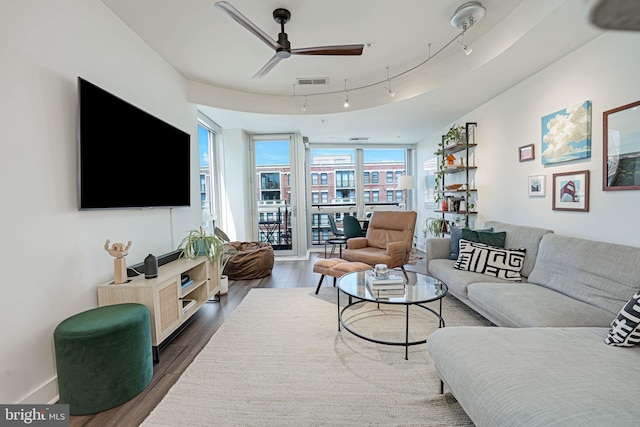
point(128, 158)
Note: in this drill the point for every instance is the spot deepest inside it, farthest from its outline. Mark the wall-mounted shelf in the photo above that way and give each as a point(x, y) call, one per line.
point(465, 170)
point(457, 212)
point(455, 191)
point(455, 149)
point(458, 169)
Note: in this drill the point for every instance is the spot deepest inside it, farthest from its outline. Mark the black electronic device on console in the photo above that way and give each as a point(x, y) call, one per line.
point(138, 269)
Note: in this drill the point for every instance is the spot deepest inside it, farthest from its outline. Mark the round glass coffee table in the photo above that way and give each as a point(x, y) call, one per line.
point(419, 289)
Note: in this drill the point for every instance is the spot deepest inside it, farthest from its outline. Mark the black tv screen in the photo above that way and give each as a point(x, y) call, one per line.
point(127, 157)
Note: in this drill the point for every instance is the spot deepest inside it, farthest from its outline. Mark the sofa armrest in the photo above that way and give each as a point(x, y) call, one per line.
point(438, 248)
point(357, 243)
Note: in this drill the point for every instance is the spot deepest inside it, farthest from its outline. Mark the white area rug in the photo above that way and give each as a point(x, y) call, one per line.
point(279, 360)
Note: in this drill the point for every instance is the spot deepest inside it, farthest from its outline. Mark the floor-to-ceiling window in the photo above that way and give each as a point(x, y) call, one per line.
point(352, 181)
point(384, 166)
point(207, 131)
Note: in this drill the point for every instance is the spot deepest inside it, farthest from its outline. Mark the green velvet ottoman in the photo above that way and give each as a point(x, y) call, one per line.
point(103, 357)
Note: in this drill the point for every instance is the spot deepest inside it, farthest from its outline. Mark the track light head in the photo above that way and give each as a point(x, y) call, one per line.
point(346, 100)
point(465, 17)
point(466, 48)
point(388, 87)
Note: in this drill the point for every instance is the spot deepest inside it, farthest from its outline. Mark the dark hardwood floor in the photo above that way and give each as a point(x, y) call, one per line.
point(180, 352)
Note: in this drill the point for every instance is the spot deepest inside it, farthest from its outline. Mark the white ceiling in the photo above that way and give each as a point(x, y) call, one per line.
point(218, 58)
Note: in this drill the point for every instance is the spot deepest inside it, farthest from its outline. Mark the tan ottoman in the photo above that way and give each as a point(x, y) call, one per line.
point(336, 267)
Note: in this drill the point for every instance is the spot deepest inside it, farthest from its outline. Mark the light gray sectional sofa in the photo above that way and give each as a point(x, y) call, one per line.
point(548, 363)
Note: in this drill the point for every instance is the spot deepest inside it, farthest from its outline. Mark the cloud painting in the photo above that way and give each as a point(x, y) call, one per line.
point(566, 134)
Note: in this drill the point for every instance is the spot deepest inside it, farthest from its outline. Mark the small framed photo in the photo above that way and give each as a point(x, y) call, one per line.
point(526, 152)
point(536, 185)
point(571, 191)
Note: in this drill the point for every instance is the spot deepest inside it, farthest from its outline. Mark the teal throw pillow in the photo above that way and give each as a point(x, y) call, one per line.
point(456, 235)
point(491, 238)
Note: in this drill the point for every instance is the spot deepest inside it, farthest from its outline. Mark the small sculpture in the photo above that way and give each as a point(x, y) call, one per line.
point(119, 251)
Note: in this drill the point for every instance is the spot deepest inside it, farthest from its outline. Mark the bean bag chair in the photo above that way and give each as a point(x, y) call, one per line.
point(253, 260)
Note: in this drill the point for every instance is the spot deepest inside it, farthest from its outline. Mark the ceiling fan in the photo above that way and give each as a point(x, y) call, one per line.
point(282, 46)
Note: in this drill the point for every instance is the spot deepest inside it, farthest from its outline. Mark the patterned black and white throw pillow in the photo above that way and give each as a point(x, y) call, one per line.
point(625, 328)
point(490, 260)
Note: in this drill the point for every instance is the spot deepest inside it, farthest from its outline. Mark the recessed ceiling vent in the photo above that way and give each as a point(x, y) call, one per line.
point(313, 81)
point(359, 139)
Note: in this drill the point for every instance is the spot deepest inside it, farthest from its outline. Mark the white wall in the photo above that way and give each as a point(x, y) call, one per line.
point(236, 201)
point(605, 71)
point(52, 255)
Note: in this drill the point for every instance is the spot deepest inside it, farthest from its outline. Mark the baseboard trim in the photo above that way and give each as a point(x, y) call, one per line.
point(46, 394)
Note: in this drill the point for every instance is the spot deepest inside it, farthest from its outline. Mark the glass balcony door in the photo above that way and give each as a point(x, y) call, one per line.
point(275, 194)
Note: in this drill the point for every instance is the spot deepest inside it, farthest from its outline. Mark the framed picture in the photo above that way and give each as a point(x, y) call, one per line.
point(571, 191)
point(526, 152)
point(566, 134)
point(536, 185)
point(621, 138)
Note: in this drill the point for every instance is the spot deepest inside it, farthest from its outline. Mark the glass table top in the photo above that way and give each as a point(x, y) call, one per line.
point(419, 288)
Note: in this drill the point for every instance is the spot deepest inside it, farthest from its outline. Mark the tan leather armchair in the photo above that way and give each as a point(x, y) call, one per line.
point(388, 240)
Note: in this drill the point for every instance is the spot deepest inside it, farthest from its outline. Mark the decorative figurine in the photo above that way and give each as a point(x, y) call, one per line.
point(119, 251)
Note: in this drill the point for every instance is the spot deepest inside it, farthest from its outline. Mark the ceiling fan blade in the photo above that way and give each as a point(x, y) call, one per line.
point(267, 67)
point(616, 15)
point(346, 49)
point(244, 21)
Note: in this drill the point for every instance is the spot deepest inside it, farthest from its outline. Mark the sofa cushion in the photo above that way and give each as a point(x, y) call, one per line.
point(523, 305)
point(625, 327)
point(456, 235)
point(519, 236)
point(538, 376)
point(490, 260)
point(458, 280)
point(496, 239)
point(605, 275)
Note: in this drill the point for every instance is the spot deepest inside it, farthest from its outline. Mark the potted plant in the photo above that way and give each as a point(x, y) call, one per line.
point(455, 135)
point(199, 242)
point(436, 226)
point(441, 170)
